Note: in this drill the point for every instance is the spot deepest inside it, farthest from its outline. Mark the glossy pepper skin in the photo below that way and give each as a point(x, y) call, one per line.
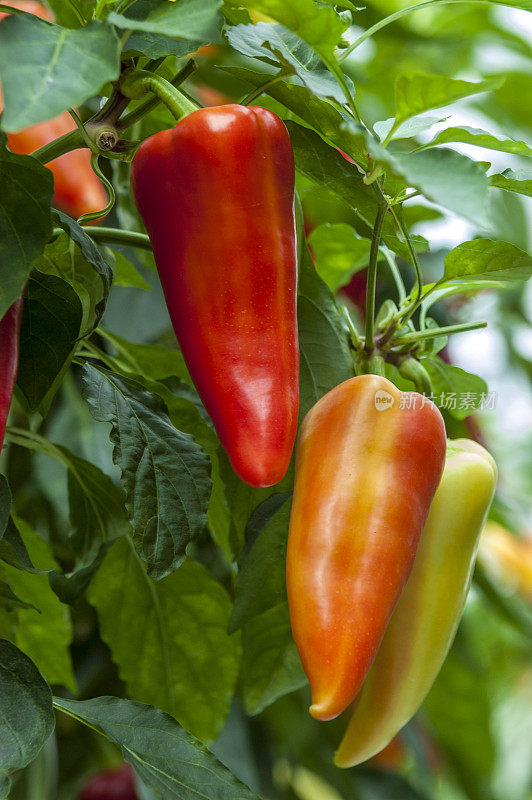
point(9, 349)
point(216, 194)
point(77, 190)
point(425, 620)
point(368, 462)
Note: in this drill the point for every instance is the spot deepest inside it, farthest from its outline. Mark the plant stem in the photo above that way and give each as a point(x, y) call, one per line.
point(70, 141)
point(447, 330)
point(152, 102)
point(117, 236)
point(260, 89)
point(403, 12)
point(396, 275)
point(415, 263)
point(371, 285)
point(138, 83)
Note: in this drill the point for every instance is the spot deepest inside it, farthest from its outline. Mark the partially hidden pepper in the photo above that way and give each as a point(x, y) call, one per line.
point(425, 620)
point(77, 189)
point(368, 461)
point(216, 194)
point(9, 349)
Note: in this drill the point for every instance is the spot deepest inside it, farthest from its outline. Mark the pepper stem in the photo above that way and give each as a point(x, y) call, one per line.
point(137, 84)
point(412, 370)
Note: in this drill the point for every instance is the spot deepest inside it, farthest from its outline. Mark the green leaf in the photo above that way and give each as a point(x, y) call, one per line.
point(25, 220)
point(319, 26)
point(484, 259)
point(458, 392)
point(417, 92)
point(276, 44)
point(125, 274)
point(45, 68)
point(481, 138)
point(271, 666)
point(444, 176)
point(326, 167)
point(9, 601)
point(165, 474)
point(155, 45)
point(164, 755)
point(520, 181)
point(339, 253)
point(325, 357)
point(188, 19)
point(86, 276)
point(169, 639)
point(63, 259)
point(45, 637)
point(405, 130)
point(151, 360)
point(51, 321)
point(13, 550)
point(261, 582)
point(25, 709)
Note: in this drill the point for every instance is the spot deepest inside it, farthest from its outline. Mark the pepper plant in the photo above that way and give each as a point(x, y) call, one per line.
point(143, 605)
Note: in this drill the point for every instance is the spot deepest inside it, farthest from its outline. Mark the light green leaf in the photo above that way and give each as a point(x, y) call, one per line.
point(481, 138)
point(460, 393)
point(125, 274)
point(187, 19)
point(45, 68)
point(45, 637)
point(519, 181)
point(444, 176)
point(169, 639)
point(339, 253)
point(405, 130)
point(486, 259)
point(417, 92)
point(164, 755)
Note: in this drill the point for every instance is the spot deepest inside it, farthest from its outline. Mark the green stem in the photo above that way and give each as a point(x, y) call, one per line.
point(371, 285)
point(70, 141)
point(138, 83)
point(396, 275)
point(431, 333)
point(412, 370)
point(403, 12)
point(117, 236)
point(92, 215)
point(415, 263)
point(152, 102)
point(260, 89)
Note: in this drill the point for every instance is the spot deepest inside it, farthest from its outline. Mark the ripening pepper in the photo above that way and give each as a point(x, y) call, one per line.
point(368, 461)
point(9, 349)
point(216, 194)
point(425, 620)
point(77, 189)
point(507, 558)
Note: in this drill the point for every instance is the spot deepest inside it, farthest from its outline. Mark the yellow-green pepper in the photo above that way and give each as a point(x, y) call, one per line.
point(424, 622)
